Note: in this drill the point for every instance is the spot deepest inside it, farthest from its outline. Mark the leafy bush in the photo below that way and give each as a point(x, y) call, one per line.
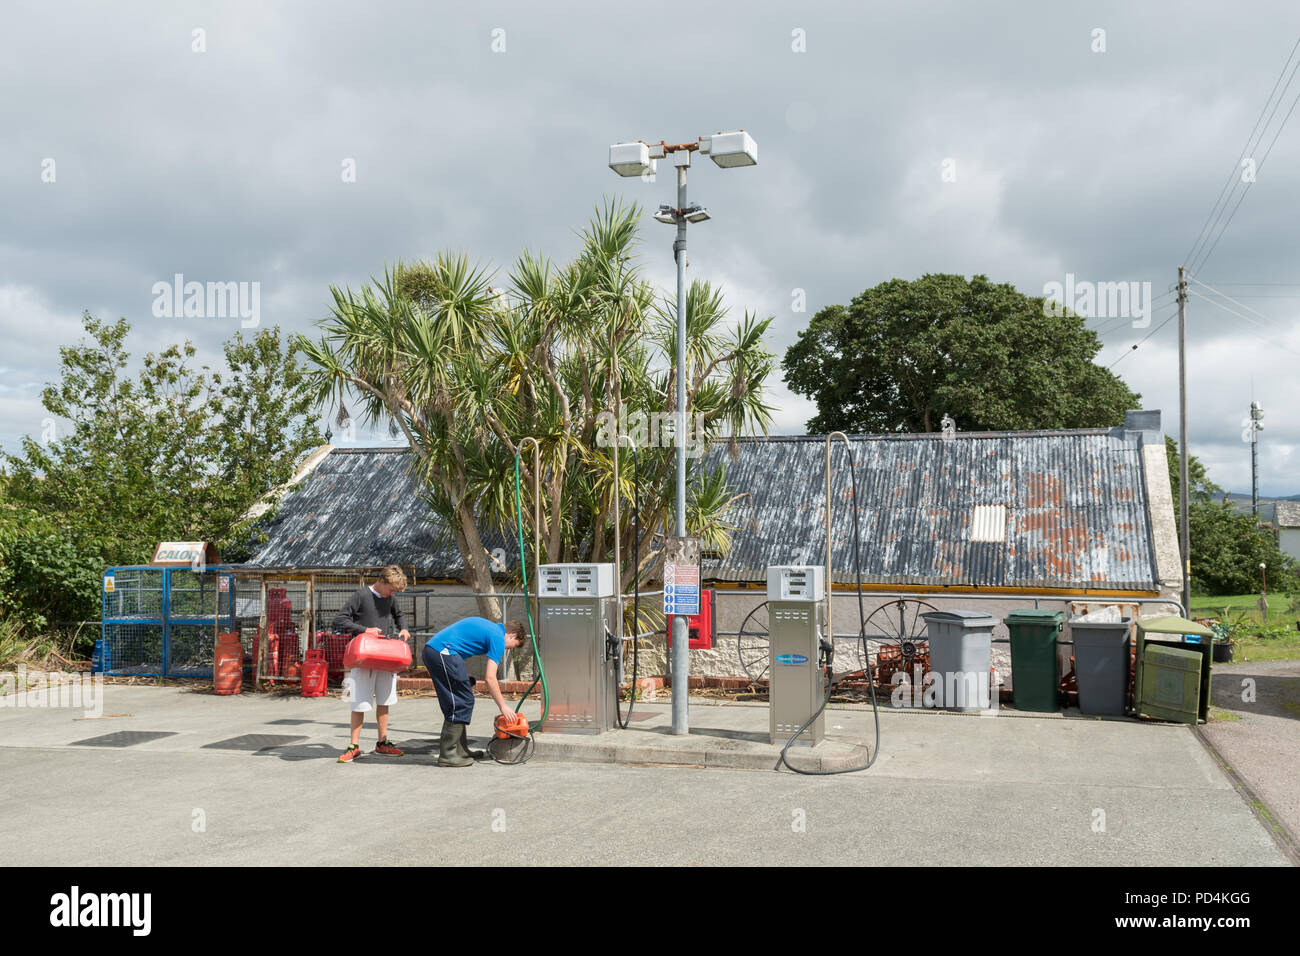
point(45, 576)
point(1228, 547)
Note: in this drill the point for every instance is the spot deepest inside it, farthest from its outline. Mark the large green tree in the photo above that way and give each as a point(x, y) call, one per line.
point(1203, 492)
point(175, 452)
point(903, 354)
point(1227, 545)
point(465, 372)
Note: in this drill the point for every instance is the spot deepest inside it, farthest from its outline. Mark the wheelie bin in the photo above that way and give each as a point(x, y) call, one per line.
point(1035, 668)
point(961, 656)
point(1101, 664)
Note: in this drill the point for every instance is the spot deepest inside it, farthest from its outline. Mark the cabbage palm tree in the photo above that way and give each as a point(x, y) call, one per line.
point(466, 371)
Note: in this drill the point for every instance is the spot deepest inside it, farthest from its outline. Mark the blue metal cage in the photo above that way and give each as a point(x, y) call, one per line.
point(163, 622)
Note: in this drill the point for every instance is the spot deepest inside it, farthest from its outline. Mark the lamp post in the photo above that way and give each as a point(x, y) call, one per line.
point(1263, 594)
point(734, 148)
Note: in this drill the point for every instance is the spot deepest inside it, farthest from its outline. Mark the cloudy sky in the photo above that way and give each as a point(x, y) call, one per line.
point(1014, 139)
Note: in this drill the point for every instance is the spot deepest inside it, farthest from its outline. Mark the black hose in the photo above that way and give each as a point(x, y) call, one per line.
point(857, 568)
point(622, 721)
point(530, 745)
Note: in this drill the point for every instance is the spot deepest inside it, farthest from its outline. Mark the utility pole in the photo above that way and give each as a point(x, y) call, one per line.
point(1183, 491)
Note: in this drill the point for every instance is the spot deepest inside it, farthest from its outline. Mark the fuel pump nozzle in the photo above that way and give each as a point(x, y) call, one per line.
point(614, 652)
point(827, 651)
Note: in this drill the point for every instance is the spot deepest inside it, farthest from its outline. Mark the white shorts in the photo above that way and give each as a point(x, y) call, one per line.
point(361, 685)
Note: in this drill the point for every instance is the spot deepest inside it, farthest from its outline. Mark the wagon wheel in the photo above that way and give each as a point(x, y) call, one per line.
point(899, 623)
point(752, 643)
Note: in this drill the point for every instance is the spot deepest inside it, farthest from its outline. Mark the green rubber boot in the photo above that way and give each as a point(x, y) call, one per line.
point(464, 745)
point(449, 751)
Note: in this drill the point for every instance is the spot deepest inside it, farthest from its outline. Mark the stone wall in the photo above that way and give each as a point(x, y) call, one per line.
point(723, 659)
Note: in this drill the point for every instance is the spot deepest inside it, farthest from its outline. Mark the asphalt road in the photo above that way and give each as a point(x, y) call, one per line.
point(947, 789)
point(1261, 740)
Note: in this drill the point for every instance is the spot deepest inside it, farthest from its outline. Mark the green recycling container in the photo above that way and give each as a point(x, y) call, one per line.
point(1171, 683)
point(1035, 672)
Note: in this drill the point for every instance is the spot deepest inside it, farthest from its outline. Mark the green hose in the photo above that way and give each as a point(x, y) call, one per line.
point(528, 614)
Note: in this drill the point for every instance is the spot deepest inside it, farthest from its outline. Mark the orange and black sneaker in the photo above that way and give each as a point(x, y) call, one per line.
point(385, 746)
point(352, 753)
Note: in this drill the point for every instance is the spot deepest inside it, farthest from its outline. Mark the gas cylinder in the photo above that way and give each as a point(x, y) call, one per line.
point(279, 610)
point(315, 673)
point(228, 664)
point(334, 646)
point(99, 660)
point(288, 651)
point(272, 655)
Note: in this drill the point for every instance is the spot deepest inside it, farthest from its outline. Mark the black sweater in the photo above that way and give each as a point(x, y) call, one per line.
point(364, 610)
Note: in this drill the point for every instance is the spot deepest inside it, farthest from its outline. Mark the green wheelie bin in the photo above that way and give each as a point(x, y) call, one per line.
point(1035, 673)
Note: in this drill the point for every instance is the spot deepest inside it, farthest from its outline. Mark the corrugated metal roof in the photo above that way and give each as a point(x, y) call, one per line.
point(1066, 510)
point(1287, 514)
point(360, 508)
point(1076, 511)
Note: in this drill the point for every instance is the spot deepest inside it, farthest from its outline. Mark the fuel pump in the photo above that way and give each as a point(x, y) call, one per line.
point(577, 611)
point(807, 636)
point(797, 647)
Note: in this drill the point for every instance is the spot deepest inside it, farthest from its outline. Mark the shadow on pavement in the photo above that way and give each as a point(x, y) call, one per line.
point(1274, 696)
point(756, 737)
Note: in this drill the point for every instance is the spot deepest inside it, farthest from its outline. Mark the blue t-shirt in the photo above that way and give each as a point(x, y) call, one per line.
point(470, 637)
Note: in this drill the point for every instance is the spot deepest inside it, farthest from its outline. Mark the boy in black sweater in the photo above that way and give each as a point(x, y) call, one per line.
point(369, 609)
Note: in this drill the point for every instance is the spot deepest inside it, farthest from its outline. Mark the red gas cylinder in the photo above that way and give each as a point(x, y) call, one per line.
point(228, 664)
point(315, 673)
point(272, 655)
point(279, 610)
point(288, 652)
point(334, 646)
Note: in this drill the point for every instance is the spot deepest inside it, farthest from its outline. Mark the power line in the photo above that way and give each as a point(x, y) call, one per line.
point(1205, 257)
point(1234, 301)
point(1232, 173)
point(1264, 338)
point(1169, 318)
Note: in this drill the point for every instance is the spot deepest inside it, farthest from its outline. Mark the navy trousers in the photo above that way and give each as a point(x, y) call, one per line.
point(451, 681)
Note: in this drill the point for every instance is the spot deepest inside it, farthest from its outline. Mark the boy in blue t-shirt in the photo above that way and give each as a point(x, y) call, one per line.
point(444, 658)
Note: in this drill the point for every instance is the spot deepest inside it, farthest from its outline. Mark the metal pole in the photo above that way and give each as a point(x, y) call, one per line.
point(1254, 468)
point(1183, 491)
point(680, 657)
point(1254, 459)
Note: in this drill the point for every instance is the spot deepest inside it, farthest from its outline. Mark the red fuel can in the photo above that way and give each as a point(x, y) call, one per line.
point(375, 653)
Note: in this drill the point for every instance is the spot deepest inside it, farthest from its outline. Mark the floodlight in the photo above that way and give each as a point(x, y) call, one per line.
point(733, 148)
point(631, 159)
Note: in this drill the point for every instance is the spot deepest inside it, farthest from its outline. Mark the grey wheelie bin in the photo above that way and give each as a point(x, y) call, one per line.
point(1101, 665)
point(961, 657)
